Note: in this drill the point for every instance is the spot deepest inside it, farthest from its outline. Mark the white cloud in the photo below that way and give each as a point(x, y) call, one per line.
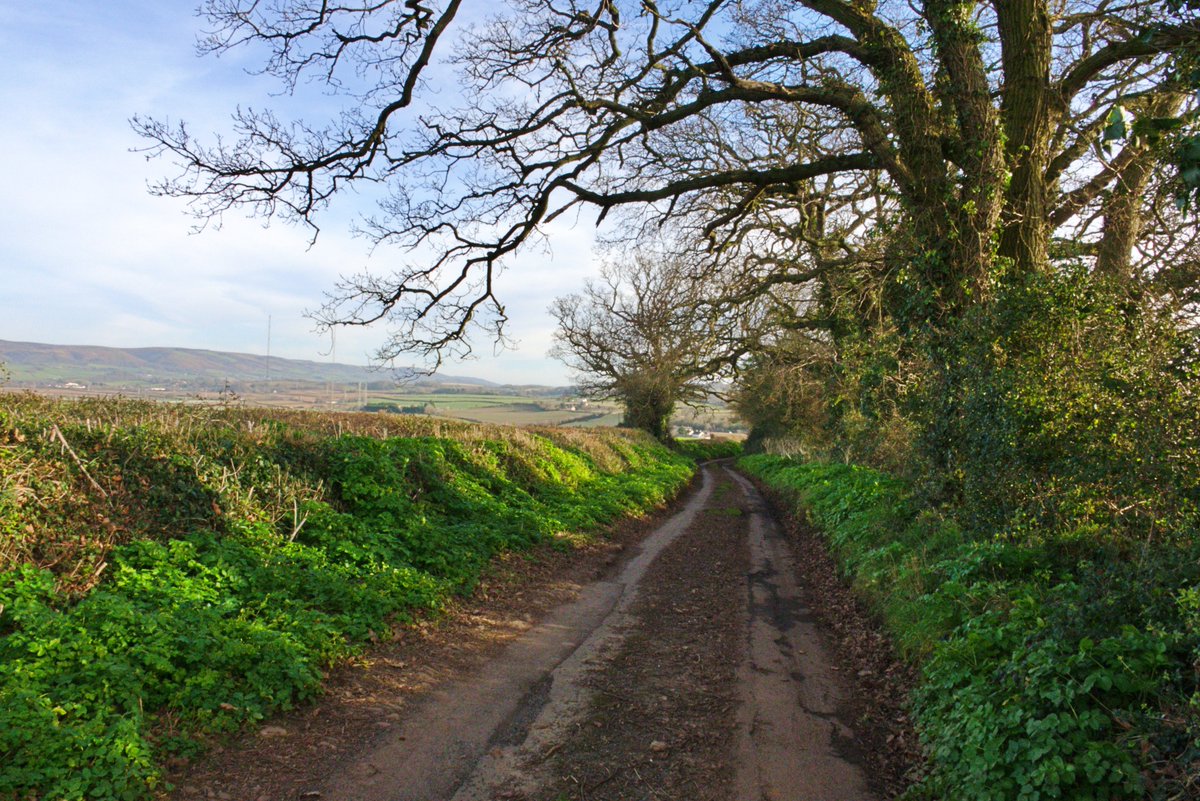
point(88, 257)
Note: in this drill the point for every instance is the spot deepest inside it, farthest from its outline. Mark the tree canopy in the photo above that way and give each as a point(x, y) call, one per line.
point(785, 135)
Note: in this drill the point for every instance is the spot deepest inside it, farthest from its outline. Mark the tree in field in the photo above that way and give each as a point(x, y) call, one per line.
point(647, 335)
point(970, 126)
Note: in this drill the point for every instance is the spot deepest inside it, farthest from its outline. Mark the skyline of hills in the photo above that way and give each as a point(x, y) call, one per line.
point(32, 364)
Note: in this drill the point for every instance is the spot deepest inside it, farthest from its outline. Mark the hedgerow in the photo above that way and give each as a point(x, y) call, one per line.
point(171, 571)
point(701, 450)
point(1048, 671)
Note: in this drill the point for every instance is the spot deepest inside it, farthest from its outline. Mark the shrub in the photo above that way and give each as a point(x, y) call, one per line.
point(702, 450)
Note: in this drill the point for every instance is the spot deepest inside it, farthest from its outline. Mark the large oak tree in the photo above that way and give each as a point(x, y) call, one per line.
point(648, 334)
point(970, 127)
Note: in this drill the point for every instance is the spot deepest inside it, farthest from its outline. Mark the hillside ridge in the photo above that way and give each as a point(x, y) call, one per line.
point(31, 363)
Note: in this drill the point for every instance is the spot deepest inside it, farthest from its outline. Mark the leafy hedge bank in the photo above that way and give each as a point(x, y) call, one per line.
point(1062, 667)
point(702, 450)
point(168, 571)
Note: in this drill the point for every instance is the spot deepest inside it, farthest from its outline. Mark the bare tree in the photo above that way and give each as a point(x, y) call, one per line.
point(973, 122)
point(782, 395)
point(647, 334)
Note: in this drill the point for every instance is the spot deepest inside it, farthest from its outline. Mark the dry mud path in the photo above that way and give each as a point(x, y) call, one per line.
point(681, 662)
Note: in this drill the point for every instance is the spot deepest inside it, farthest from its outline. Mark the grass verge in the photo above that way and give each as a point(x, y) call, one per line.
point(1062, 665)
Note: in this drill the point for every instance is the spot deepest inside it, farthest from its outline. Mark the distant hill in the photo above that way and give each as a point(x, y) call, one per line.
point(37, 364)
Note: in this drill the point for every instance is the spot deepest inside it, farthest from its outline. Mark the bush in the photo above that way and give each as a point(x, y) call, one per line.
point(703, 450)
point(1069, 403)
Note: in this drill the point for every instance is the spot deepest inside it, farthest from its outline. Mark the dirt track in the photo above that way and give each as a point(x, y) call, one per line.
point(690, 668)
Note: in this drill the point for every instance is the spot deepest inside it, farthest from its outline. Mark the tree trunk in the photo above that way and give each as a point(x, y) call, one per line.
point(975, 211)
point(1029, 113)
point(650, 412)
point(1124, 207)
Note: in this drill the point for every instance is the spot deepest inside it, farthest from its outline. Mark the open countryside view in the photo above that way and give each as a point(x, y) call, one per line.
point(737, 400)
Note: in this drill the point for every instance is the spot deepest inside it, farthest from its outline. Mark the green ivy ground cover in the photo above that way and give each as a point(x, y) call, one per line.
point(279, 550)
point(1053, 668)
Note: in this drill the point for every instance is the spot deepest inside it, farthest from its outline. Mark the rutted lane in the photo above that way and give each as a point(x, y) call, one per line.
point(532, 723)
point(465, 734)
point(793, 744)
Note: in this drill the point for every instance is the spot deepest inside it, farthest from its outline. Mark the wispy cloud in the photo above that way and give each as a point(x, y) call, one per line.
point(88, 257)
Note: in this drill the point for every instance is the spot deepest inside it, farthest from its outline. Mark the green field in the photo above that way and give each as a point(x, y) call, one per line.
point(449, 400)
point(515, 410)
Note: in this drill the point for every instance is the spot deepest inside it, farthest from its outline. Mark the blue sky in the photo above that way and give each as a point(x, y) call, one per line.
point(88, 257)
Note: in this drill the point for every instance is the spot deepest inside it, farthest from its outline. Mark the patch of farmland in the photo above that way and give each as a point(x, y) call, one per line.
point(611, 419)
point(452, 402)
point(515, 414)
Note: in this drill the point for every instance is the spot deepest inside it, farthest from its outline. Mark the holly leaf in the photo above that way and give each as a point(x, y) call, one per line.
point(1115, 128)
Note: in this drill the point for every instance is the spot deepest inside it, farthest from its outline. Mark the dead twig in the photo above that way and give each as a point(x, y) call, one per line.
point(601, 783)
point(57, 432)
point(649, 787)
point(298, 521)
